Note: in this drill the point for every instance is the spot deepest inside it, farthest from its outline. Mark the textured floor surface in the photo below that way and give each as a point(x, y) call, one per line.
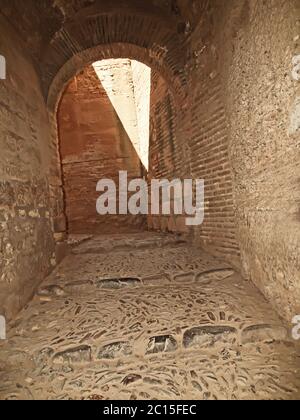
point(147, 317)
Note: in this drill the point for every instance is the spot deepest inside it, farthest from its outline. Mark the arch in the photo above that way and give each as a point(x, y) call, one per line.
point(102, 52)
point(151, 40)
point(67, 73)
point(98, 35)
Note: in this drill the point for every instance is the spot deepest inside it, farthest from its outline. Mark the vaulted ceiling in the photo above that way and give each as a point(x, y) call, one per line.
point(37, 21)
point(56, 31)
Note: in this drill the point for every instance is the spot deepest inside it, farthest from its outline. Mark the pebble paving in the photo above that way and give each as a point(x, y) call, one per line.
point(147, 316)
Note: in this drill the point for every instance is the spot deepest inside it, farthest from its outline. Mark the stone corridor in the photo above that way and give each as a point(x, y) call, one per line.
point(130, 301)
point(147, 316)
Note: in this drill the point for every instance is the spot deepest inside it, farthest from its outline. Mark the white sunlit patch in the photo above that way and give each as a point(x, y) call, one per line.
point(133, 105)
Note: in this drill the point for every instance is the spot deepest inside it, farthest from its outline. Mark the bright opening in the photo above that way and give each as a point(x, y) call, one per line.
point(131, 100)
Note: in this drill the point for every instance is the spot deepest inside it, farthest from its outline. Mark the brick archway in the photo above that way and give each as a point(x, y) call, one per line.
point(102, 52)
point(105, 32)
point(148, 38)
point(77, 64)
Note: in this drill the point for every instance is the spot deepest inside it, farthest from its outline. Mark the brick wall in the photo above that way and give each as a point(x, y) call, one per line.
point(166, 154)
point(98, 138)
point(209, 160)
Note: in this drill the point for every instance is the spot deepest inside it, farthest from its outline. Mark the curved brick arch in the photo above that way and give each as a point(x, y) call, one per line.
point(102, 52)
point(136, 36)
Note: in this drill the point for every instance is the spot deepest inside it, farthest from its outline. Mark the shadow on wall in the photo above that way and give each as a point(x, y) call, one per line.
point(94, 144)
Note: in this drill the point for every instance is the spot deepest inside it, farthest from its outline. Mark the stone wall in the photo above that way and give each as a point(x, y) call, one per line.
point(26, 236)
point(261, 85)
point(99, 137)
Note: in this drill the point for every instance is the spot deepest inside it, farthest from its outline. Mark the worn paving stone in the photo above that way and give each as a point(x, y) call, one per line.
point(115, 350)
point(79, 354)
point(257, 333)
point(161, 339)
point(209, 336)
point(118, 283)
point(162, 344)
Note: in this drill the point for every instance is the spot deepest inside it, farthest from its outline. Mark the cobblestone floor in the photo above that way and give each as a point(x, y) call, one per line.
point(147, 317)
